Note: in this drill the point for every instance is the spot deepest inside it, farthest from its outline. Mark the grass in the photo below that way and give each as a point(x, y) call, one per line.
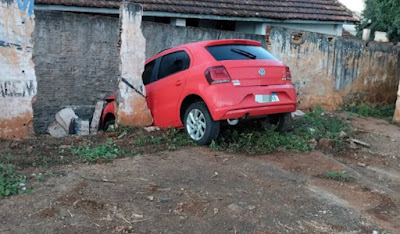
point(254, 140)
point(10, 182)
point(385, 111)
point(340, 176)
point(104, 152)
point(171, 139)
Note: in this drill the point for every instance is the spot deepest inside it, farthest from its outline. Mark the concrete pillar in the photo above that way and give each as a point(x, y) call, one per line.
point(17, 73)
point(260, 29)
point(396, 117)
point(178, 22)
point(131, 104)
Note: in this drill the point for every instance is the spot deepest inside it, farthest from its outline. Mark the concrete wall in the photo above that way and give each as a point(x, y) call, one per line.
point(259, 28)
point(132, 107)
point(77, 63)
point(334, 71)
point(164, 36)
point(396, 117)
point(17, 74)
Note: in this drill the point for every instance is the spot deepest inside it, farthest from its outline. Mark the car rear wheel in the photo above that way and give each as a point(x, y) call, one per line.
point(279, 122)
point(199, 125)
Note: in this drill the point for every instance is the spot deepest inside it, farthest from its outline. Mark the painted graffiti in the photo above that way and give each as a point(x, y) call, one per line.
point(26, 5)
point(17, 88)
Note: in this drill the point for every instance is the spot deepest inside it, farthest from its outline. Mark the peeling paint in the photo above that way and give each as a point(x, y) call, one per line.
point(17, 74)
point(332, 71)
point(132, 107)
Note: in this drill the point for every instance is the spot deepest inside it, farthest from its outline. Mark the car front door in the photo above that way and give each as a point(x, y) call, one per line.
point(164, 94)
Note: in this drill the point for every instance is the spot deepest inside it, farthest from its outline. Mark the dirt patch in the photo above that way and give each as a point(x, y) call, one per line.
point(198, 190)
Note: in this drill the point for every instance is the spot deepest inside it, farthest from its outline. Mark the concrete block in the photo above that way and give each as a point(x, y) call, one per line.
point(94, 127)
point(56, 130)
point(81, 127)
point(64, 118)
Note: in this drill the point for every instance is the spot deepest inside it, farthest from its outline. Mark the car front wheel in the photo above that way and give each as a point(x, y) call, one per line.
point(199, 124)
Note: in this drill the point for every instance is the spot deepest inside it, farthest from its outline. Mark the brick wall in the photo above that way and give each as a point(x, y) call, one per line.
point(76, 62)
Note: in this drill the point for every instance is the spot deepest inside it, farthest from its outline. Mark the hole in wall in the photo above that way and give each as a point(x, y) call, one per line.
point(296, 38)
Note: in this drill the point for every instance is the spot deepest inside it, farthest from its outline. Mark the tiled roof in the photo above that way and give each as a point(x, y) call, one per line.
point(322, 10)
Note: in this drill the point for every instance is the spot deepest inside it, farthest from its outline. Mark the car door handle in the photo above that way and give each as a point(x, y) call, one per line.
point(178, 83)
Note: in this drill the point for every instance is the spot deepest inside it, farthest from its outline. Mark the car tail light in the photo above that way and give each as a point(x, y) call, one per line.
point(288, 75)
point(217, 75)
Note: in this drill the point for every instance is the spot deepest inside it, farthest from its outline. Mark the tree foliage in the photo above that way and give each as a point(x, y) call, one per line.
point(382, 15)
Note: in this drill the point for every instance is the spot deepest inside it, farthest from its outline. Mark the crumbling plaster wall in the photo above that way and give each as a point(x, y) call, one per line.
point(132, 107)
point(17, 73)
point(330, 71)
point(77, 63)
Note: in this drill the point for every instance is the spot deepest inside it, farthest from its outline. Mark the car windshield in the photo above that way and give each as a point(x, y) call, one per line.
point(239, 52)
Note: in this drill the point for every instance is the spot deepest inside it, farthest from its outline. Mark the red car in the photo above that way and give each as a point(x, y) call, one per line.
point(198, 85)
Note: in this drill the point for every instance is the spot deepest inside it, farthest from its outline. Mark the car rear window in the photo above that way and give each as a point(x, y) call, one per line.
point(239, 52)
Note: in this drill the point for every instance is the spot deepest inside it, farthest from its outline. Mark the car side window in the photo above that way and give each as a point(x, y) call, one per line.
point(148, 72)
point(173, 63)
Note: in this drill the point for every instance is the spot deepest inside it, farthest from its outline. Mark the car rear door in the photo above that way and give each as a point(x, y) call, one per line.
point(165, 93)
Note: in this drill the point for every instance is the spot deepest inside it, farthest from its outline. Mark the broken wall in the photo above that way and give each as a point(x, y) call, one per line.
point(77, 63)
point(330, 71)
point(17, 73)
point(132, 107)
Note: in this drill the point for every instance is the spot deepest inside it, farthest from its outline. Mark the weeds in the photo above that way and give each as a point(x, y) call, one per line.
point(172, 139)
point(10, 182)
point(255, 140)
point(340, 176)
point(386, 111)
point(106, 152)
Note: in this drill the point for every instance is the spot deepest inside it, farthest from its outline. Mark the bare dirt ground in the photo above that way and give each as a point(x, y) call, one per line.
point(198, 190)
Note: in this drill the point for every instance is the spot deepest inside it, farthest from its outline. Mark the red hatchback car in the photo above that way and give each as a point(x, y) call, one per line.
point(198, 85)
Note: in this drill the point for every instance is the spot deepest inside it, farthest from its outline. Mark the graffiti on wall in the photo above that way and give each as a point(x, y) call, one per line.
point(26, 5)
point(16, 88)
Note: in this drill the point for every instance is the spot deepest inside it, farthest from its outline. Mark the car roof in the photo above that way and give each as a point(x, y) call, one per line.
point(206, 44)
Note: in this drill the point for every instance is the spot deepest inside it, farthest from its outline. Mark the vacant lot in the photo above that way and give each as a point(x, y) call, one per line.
point(204, 190)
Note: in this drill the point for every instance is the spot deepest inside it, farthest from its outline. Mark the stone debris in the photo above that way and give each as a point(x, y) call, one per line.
point(152, 129)
point(241, 206)
point(65, 117)
point(298, 113)
point(68, 123)
point(81, 127)
point(94, 126)
point(358, 142)
point(56, 130)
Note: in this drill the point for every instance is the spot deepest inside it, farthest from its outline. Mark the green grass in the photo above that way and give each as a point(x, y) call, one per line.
point(171, 139)
point(10, 182)
point(385, 111)
point(340, 176)
point(255, 140)
point(105, 152)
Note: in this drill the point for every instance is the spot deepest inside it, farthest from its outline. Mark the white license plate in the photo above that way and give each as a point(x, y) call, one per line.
point(267, 98)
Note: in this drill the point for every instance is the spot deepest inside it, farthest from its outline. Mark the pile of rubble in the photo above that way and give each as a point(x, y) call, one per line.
point(68, 123)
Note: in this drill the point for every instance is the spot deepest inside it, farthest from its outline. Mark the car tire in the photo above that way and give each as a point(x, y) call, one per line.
point(199, 124)
point(109, 121)
point(284, 122)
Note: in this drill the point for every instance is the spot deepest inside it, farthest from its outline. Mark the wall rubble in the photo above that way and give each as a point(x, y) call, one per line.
point(17, 73)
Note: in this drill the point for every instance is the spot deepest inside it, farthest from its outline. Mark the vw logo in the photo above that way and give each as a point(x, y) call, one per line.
point(262, 72)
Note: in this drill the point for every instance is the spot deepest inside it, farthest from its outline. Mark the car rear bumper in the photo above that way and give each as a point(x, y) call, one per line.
point(240, 102)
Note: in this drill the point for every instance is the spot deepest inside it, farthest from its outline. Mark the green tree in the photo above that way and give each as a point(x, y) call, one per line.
point(382, 15)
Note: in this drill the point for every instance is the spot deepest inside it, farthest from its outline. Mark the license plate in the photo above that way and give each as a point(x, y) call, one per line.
point(267, 98)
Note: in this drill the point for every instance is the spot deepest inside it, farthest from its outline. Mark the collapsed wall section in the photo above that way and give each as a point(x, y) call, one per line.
point(17, 73)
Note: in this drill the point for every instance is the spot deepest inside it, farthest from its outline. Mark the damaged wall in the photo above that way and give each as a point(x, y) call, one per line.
point(132, 107)
point(77, 63)
point(334, 71)
point(17, 73)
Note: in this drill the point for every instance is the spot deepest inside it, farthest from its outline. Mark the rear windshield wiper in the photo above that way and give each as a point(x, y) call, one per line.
point(245, 53)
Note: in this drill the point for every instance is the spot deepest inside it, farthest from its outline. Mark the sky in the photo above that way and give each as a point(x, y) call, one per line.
point(354, 5)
